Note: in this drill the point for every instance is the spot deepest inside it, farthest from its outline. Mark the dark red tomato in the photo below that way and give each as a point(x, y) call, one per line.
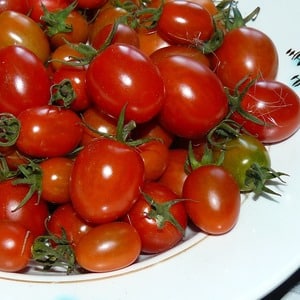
point(195, 100)
point(101, 124)
point(19, 29)
point(15, 246)
point(246, 53)
point(155, 157)
point(124, 34)
point(175, 175)
point(214, 195)
point(91, 4)
point(13, 158)
point(106, 180)
point(154, 220)
point(18, 80)
point(64, 216)
point(185, 22)
point(122, 75)
point(56, 172)
point(32, 215)
point(77, 79)
point(274, 103)
point(108, 247)
point(20, 6)
point(48, 131)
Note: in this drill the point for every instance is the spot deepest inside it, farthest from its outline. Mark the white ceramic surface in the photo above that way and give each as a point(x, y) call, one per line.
point(247, 263)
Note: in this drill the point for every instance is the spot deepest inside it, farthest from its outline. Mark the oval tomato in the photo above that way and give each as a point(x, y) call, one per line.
point(108, 247)
point(214, 199)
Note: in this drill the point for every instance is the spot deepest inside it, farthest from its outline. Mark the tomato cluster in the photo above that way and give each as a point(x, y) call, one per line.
point(122, 122)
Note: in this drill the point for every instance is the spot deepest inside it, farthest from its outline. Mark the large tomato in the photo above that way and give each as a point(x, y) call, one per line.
point(18, 80)
point(106, 180)
point(122, 75)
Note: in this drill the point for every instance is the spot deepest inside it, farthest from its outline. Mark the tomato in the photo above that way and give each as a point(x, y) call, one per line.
point(20, 6)
point(240, 154)
point(64, 216)
point(15, 246)
point(214, 195)
point(122, 75)
point(91, 4)
point(185, 22)
point(19, 29)
point(175, 175)
point(13, 158)
point(106, 180)
point(155, 156)
point(56, 172)
point(246, 53)
point(108, 247)
point(196, 92)
point(274, 103)
point(48, 131)
point(32, 215)
point(160, 225)
point(18, 88)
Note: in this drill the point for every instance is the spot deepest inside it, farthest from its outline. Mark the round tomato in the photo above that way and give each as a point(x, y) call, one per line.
point(18, 88)
point(108, 247)
point(122, 75)
point(159, 220)
point(15, 246)
point(214, 199)
point(274, 103)
point(48, 131)
point(20, 6)
point(106, 180)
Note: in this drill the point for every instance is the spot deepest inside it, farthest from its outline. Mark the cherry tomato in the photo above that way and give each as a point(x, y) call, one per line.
point(18, 88)
point(20, 6)
point(106, 180)
point(48, 131)
point(274, 103)
point(214, 195)
point(15, 246)
point(246, 53)
point(154, 220)
point(122, 75)
point(196, 92)
point(108, 247)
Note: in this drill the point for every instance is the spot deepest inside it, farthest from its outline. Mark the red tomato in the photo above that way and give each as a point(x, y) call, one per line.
point(18, 88)
point(32, 215)
point(195, 100)
point(246, 53)
point(64, 216)
point(106, 180)
point(122, 75)
point(185, 22)
point(15, 246)
point(214, 195)
point(19, 29)
point(154, 221)
point(48, 131)
point(274, 103)
point(56, 172)
point(108, 247)
point(20, 6)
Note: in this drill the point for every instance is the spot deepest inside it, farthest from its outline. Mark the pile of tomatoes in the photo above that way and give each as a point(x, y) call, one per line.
point(123, 122)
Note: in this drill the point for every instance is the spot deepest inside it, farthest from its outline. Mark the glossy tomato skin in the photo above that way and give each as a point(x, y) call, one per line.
point(48, 131)
point(20, 6)
point(246, 53)
point(19, 29)
point(195, 100)
point(108, 247)
point(122, 75)
point(26, 71)
point(156, 239)
point(274, 103)
point(214, 195)
point(32, 215)
point(184, 22)
point(106, 180)
point(15, 246)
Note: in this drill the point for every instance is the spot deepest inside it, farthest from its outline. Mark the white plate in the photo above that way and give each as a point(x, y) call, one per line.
point(247, 263)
